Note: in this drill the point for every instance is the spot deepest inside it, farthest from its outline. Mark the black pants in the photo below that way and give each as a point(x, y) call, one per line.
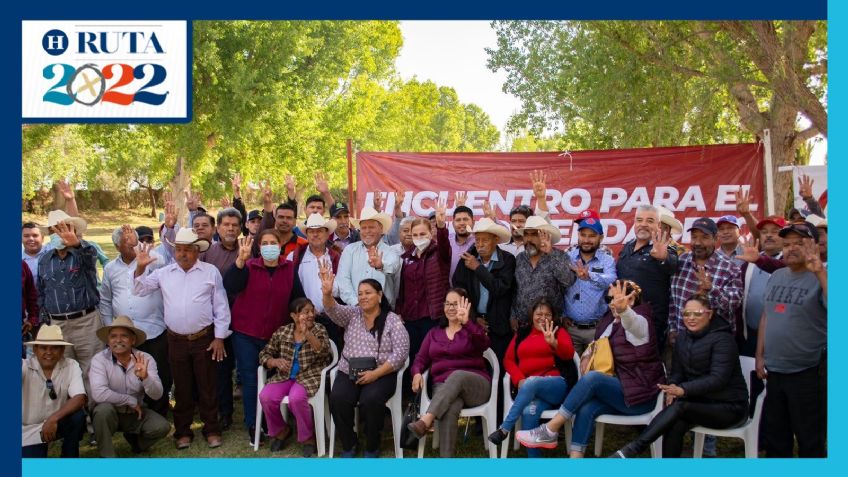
point(499, 344)
point(225, 380)
point(158, 348)
point(70, 430)
point(796, 407)
point(371, 398)
point(676, 420)
point(417, 331)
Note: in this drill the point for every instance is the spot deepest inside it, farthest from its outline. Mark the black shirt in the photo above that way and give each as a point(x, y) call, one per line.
point(652, 275)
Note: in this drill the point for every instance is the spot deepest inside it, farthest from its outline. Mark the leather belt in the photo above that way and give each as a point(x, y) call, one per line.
point(71, 316)
point(587, 325)
point(193, 336)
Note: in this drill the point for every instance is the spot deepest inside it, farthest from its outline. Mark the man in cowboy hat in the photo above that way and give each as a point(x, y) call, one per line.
point(672, 227)
point(540, 270)
point(369, 258)
point(121, 376)
point(197, 316)
point(147, 312)
point(307, 259)
point(488, 274)
point(584, 301)
point(53, 396)
point(67, 287)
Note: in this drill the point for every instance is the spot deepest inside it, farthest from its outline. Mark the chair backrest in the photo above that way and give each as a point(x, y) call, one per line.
point(492, 358)
point(748, 365)
point(334, 351)
point(576, 359)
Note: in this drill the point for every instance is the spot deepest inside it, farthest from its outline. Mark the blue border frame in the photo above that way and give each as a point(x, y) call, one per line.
point(182, 120)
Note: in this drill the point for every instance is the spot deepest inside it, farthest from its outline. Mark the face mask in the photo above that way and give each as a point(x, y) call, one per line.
point(270, 252)
point(56, 242)
point(421, 244)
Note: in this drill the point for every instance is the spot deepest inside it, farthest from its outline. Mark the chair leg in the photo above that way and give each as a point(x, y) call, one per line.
point(698, 451)
point(750, 446)
point(656, 448)
point(397, 421)
point(258, 428)
point(318, 423)
point(516, 444)
point(491, 425)
point(332, 436)
point(599, 438)
point(421, 444)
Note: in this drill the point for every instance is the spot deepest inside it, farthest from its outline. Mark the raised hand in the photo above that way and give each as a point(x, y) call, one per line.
point(549, 332)
point(170, 212)
point(378, 200)
point(459, 198)
point(538, 179)
point(660, 241)
point(65, 189)
point(620, 297)
point(375, 258)
point(192, 201)
point(545, 245)
point(245, 248)
point(267, 196)
point(325, 273)
point(441, 212)
point(463, 310)
point(581, 271)
point(750, 250)
point(399, 201)
point(140, 366)
point(805, 186)
point(236, 182)
point(743, 202)
point(128, 236)
point(705, 280)
point(226, 203)
point(143, 257)
point(470, 261)
point(487, 210)
point(67, 234)
point(291, 190)
point(812, 256)
point(321, 183)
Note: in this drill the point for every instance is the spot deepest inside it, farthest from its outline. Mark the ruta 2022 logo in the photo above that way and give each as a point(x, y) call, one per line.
point(107, 70)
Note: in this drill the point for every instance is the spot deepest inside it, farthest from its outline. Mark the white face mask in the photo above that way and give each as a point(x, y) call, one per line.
point(421, 243)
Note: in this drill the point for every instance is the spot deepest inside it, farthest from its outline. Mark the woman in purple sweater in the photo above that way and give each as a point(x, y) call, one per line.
point(454, 354)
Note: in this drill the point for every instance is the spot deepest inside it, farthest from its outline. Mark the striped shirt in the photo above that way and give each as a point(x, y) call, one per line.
point(68, 285)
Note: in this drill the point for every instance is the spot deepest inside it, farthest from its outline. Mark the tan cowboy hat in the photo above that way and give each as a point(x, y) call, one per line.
point(122, 322)
point(317, 221)
point(488, 225)
point(818, 222)
point(58, 217)
point(534, 222)
point(667, 217)
point(370, 213)
point(49, 335)
point(187, 236)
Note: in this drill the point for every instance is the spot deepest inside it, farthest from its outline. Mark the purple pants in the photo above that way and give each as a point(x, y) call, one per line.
point(271, 397)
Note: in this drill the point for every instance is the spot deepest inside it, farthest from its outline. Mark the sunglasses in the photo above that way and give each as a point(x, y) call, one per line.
point(51, 391)
point(695, 313)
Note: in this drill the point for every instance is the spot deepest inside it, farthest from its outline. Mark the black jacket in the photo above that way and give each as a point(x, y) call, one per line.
point(706, 365)
point(500, 282)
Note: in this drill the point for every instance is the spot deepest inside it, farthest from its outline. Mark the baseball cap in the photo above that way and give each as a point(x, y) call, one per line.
point(144, 232)
point(588, 214)
point(772, 219)
point(804, 229)
point(254, 214)
point(728, 219)
point(704, 224)
point(591, 223)
point(338, 207)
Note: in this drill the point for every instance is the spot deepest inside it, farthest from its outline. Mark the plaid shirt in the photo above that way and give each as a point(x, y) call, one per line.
point(725, 295)
point(550, 279)
point(312, 361)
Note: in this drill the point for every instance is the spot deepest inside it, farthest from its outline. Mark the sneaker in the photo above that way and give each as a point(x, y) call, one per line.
point(538, 437)
point(309, 448)
point(498, 436)
point(617, 455)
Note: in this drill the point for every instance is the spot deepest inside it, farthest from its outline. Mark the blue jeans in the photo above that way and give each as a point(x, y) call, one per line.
point(246, 349)
point(593, 395)
point(535, 396)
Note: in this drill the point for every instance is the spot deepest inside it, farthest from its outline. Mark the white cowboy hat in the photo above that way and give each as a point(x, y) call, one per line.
point(534, 222)
point(58, 217)
point(488, 225)
point(817, 221)
point(667, 217)
point(370, 213)
point(49, 335)
point(317, 221)
point(188, 237)
point(122, 322)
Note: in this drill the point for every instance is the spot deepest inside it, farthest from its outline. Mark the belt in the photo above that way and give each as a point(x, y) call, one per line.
point(193, 336)
point(587, 325)
point(71, 316)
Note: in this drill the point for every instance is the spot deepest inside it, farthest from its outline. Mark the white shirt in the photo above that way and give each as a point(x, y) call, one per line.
point(36, 405)
point(635, 328)
point(117, 298)
point(193, 299)
point(309, 279)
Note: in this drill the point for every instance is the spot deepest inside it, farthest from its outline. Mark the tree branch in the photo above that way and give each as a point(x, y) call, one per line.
point(803, 136)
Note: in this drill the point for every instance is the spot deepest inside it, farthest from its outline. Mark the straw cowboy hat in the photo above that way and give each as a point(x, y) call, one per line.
point(188, 237)
point(122, 322)
point(370, 213)
point(58, 217)
point(534, 222)
point(488, 225)
point(317, 221)
point(667, 217)
point(49, 335)
point(818, 222)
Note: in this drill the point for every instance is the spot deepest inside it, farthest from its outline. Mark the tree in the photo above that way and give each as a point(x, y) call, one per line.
point(638, 84)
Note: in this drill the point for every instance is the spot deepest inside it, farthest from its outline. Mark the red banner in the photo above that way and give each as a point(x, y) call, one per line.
point(692, 181)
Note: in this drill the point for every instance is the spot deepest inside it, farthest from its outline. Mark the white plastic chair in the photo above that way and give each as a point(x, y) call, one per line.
point(546, 415)
point(638, 420)
point(395, 409)
point(488, 410)
point(749, 431)
point(318, 403)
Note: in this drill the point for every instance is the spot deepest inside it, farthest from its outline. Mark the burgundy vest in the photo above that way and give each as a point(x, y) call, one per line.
point(263, 306)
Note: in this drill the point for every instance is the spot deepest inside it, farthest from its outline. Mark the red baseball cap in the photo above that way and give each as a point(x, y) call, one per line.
point(588, 214)
point(772, 219)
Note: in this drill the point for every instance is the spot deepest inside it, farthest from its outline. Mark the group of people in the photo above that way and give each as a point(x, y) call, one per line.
point(422, 296)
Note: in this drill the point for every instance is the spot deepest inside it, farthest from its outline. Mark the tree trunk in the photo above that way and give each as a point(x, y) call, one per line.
point(152, 193)
point(58, 198)
point(781, 124)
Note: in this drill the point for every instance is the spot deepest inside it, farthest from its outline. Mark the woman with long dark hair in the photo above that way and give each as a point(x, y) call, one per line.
point(375, 339)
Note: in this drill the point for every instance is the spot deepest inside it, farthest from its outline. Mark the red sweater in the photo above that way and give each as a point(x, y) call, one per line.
point(535, 356)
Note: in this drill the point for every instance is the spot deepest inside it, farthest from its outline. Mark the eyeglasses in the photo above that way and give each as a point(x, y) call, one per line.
point(451, 305)
point(51, 391)
point(695, 313)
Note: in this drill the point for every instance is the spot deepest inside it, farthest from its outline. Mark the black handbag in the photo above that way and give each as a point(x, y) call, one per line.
point(408, 440)
point(359, 365)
